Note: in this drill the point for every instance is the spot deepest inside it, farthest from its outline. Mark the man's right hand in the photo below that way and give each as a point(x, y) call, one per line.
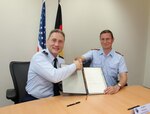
point(78, 64)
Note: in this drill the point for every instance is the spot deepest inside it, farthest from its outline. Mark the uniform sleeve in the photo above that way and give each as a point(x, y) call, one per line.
point(88, 55)
point(122, 65)
point(43, 67)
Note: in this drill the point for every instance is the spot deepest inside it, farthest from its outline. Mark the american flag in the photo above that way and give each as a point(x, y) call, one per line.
point(42, 29)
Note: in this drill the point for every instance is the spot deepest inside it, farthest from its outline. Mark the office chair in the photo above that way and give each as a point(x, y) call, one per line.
point(87, 63)
point(19, 72)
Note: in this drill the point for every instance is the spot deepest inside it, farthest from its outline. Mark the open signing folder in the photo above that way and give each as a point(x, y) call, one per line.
point(86, 81)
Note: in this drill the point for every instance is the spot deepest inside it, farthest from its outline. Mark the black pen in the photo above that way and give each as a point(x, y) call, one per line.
point(73, 103)
point(133, 107)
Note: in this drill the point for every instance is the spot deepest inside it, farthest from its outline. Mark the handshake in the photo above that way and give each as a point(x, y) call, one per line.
point(78, 62)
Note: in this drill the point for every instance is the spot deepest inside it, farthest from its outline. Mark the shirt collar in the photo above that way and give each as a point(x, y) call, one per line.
point(50, 54)
point(111, 53)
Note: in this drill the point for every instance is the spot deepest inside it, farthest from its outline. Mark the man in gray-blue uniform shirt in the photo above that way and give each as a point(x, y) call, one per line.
point(111, 62)
point(42, 74)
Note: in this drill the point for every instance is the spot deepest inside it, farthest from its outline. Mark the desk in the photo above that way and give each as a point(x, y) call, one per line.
point(95, 104)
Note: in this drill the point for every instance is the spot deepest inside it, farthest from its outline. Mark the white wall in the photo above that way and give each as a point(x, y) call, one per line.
point(18, 34)
point(147, 63)
point(82, 23)
point(85, 20)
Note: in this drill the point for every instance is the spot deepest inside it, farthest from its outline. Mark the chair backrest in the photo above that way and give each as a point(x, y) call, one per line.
point(19, 72)
point(87, 63)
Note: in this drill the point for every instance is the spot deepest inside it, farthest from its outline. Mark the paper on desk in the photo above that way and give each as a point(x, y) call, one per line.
point(144, 109)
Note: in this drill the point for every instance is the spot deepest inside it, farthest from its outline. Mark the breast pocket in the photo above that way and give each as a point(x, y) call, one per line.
point(113, 68)
point(96, 64)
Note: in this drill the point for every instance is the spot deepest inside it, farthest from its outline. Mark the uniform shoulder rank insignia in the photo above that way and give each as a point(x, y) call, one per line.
point(61, 57)
point(45, 53)
point(119, 53)
point(95, 49)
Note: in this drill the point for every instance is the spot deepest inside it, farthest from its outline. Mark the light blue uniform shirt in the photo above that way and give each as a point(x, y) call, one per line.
point(42, 74)
point(111, 65)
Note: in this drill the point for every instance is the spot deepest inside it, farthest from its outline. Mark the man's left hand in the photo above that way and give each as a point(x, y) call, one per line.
point(112, 89)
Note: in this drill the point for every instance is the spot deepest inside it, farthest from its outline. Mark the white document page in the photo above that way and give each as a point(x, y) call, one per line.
point(95, 80)
point(74, 84)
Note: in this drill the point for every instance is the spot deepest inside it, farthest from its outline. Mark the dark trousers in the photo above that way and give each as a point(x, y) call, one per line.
point(28, 98)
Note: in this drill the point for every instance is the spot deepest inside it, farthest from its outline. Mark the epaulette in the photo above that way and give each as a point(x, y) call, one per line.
point(118, 53)
point(95, 49)
point(45, 53)
point(61, 57)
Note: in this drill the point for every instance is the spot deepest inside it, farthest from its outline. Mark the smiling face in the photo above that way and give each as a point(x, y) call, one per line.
point(55, 43)
point(106, 41)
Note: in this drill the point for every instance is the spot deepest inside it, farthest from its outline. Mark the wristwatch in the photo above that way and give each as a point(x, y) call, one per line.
point(119, 85)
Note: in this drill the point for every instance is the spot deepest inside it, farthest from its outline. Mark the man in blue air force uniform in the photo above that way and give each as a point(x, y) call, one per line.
point(112, 63)
point(43, 73)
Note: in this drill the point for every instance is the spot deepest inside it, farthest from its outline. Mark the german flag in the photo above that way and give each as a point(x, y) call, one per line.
point(58, 24)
